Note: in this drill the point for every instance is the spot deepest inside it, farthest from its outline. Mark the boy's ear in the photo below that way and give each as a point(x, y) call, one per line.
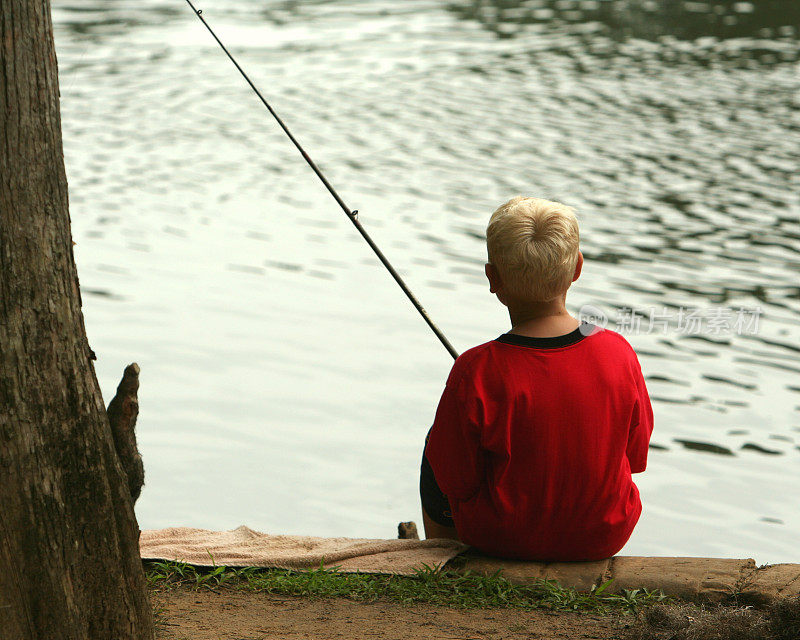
point(493, 276)
point(578, 267)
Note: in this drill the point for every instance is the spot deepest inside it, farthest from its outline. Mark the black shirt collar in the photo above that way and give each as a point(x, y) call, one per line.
point(554, 342)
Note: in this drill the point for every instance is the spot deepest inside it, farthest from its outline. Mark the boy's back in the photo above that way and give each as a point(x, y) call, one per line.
point(534, 443)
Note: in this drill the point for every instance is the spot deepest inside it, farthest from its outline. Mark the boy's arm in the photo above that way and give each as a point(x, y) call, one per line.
point(453, 448)
point(641, 425)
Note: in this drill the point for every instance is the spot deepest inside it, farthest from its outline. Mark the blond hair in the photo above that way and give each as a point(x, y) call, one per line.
point(534, 245)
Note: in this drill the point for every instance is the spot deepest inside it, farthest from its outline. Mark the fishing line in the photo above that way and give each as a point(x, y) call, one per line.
point(352, 215)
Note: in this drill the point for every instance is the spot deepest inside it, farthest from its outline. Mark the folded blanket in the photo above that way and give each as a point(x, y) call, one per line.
point(243, 547)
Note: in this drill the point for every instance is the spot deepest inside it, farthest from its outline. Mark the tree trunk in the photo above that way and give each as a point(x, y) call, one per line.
point(69, 557)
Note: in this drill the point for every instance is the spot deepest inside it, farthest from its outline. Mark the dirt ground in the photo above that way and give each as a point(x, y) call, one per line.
point(232, 615)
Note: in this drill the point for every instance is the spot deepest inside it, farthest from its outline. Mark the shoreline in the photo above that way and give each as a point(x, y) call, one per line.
point(692, 579)
point(207, 603)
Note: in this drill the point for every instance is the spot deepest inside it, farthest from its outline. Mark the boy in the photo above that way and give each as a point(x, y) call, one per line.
point(538, 432)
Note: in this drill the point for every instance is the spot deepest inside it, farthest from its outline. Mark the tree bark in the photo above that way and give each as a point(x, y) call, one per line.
point(69, 558)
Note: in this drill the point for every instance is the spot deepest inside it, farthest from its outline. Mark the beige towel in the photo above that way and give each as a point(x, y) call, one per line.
point(243, 547)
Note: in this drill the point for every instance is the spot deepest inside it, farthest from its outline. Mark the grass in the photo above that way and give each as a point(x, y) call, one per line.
point(431, 585)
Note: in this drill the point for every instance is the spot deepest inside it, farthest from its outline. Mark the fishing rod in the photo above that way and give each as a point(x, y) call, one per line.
point(351, 214)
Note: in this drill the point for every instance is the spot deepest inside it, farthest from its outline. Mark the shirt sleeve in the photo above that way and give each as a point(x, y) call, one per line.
point(641, 425)
point(453, 448)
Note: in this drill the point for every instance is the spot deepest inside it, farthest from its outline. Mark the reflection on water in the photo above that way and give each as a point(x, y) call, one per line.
point(287, 384)
point(647, 19)
point(92, 21)
point(705, 446)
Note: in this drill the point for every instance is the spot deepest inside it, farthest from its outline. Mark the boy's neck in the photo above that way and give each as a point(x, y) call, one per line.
point(541, 319)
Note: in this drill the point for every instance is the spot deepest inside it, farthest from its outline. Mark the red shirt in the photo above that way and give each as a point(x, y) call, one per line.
point(534, 443)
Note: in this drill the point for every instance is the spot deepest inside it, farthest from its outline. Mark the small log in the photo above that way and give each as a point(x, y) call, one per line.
point(122, 413)
point(407, 531)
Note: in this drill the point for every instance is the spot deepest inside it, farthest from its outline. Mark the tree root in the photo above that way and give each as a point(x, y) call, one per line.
point(122, 413)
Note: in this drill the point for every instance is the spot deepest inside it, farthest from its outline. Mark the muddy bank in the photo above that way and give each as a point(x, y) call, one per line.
point(232, 615)
point(186, 614)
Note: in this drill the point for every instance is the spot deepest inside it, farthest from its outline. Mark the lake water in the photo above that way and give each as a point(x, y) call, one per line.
point(286, 382)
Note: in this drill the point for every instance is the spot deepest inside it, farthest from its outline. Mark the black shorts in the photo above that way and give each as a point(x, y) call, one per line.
point(434, 502)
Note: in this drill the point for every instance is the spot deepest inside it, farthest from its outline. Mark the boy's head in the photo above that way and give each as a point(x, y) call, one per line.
point(533, 250)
